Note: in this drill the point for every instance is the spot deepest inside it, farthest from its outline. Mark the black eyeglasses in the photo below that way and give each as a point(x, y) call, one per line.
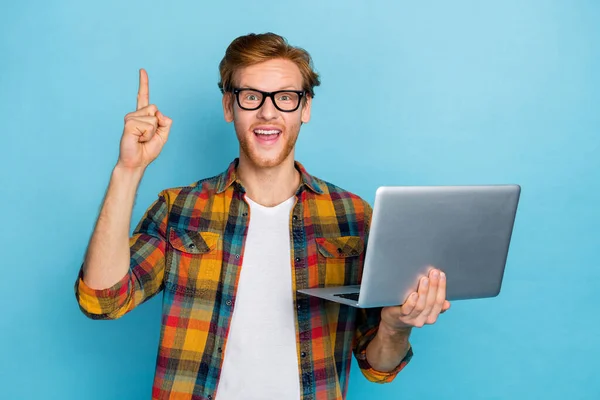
point(284, 100)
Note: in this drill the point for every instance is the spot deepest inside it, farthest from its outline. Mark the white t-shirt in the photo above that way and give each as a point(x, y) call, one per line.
point(260, 360)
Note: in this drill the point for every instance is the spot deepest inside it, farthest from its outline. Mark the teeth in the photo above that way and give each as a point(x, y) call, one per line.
point(266, 132)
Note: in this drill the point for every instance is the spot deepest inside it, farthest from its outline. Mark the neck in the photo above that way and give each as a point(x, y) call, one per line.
point(269, 186)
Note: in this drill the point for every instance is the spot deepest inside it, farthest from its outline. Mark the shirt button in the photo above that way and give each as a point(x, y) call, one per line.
point(237, 256)
point(209, 397)
point(191, 245)
point(245, 214)
point(295, 218)
point(297, 259)
point(303, 354)
point(228, 302)
point(219, 350)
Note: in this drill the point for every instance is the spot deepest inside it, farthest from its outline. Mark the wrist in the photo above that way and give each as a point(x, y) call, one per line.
point(125, 172)
point(393, 333)
point(388, 348)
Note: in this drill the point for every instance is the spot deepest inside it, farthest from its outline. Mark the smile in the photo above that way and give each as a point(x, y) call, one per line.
point(267, 132)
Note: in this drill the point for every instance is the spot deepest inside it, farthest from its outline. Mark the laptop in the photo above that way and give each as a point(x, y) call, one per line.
point(464, 231)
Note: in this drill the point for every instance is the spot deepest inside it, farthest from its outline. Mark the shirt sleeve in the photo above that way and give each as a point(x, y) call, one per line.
point(146, 269)
point(367, 324)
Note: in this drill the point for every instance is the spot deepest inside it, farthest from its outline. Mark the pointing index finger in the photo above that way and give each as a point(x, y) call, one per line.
point(143, 97)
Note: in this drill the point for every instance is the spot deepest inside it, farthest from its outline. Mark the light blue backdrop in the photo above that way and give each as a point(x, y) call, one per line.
point(459, 92)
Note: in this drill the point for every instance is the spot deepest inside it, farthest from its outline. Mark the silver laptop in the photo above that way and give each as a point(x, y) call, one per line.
point(464, 231)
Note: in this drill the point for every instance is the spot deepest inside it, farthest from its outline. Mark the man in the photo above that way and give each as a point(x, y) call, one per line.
point(229, 252)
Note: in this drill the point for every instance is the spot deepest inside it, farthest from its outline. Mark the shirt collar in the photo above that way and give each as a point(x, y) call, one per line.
point(229, 176)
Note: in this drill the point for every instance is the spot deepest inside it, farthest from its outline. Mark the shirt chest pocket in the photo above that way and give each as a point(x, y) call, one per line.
point(340, 259)
point(193, 261)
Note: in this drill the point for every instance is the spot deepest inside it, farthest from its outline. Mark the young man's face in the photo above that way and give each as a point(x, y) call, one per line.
point(267, 135)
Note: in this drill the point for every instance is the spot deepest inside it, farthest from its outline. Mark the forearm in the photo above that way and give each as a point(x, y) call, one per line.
point(107, 257)
point(388, 348)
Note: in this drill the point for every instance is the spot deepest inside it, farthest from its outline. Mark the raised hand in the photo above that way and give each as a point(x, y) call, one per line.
point(146, 131)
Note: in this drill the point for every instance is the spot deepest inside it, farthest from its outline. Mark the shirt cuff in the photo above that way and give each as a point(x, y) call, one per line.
point(101, 301)
point(378, 376)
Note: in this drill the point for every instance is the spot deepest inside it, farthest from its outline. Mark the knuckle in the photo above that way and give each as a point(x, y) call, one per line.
point(141, 126)
point(129, 122)
point(419, 307)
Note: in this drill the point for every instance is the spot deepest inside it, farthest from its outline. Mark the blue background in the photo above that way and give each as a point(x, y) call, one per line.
point(460, 92)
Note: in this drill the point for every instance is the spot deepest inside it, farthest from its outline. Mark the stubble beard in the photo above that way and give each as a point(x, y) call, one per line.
point(289, 135)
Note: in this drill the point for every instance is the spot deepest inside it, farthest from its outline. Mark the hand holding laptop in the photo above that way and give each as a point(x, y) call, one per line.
point(463, 230)
point(422, 307)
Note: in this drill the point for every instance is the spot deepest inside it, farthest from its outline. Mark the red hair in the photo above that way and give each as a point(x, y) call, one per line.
point(255, 48)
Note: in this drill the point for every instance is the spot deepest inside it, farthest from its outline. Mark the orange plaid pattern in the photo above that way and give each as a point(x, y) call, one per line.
point(190, 245)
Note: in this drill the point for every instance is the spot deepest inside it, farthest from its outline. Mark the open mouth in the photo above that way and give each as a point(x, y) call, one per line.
point(267, 135)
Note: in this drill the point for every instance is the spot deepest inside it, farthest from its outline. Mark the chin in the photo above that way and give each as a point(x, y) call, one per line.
point(266, 161)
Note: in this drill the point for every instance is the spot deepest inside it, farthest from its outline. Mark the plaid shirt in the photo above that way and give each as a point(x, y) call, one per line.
point(190, 246)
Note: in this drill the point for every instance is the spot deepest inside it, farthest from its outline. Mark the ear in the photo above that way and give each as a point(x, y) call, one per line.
point(305, 117)
point(228, 106)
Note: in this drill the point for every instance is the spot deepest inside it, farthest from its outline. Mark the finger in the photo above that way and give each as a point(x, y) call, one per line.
point(143, 130)
point(143, 98)
point(410, 303)
point(440, 297)
point(149, 120)
point(146, 132)
point(423, 290)
point(143, 112)
point(441, 293)
point(445, 307)
point(434, 280)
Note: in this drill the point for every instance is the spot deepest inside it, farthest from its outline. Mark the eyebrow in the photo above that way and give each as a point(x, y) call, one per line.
point(283, 88)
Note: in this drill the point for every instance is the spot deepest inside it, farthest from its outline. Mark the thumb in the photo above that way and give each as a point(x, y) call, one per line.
point(164, 125)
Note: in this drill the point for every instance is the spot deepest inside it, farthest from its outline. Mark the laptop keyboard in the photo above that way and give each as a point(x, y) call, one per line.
point(351, 296)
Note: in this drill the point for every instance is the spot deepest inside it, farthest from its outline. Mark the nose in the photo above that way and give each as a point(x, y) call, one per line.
point(267, 111)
